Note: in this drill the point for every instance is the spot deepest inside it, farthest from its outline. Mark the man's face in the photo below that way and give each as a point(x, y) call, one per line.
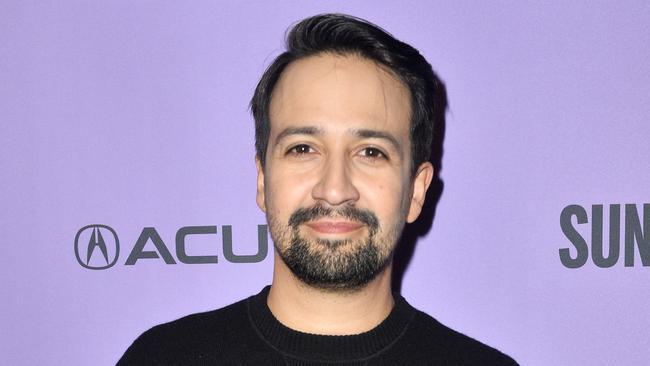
point(337, 186)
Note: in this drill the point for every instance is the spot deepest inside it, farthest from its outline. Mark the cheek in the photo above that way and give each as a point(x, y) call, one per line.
point(286, 192)
point(384, 196)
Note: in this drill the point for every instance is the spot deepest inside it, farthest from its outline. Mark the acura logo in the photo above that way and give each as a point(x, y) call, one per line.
point(96, 246)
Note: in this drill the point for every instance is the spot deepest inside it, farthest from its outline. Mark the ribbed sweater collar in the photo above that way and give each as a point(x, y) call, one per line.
point(323, 347)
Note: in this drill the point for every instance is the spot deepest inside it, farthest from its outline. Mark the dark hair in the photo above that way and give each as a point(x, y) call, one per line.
point(347, 35)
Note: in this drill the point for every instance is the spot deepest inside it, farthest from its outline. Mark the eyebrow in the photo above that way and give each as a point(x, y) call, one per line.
point(362, 133)
point(289, 131)
point(374, 134)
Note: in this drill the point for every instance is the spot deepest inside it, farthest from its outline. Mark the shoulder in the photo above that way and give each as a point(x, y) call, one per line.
point(441, 342)
point(197, 326)
point(203, 334)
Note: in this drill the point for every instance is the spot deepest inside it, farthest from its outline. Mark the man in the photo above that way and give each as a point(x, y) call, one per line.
point(344, 127)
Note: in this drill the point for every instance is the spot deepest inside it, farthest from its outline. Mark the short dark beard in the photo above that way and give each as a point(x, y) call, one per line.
point(329, 267)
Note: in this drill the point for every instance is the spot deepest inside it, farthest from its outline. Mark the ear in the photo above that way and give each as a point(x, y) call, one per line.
point(421, 182)
point(260, 197)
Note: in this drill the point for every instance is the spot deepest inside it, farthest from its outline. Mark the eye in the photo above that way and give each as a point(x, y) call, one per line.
point(300, 150)
point(373, 153)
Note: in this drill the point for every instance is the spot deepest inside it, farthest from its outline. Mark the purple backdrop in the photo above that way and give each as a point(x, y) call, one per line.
point(134, 115)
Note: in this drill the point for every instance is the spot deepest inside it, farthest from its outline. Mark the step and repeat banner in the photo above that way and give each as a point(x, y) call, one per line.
point(128, 176)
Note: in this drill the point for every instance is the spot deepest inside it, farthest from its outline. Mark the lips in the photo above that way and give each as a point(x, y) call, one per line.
point(334, 227)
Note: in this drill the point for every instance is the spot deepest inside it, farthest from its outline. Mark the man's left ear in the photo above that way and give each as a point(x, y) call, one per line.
point(421, 182)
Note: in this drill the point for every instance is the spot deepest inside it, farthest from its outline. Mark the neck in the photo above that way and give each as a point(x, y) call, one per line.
point(328, 312)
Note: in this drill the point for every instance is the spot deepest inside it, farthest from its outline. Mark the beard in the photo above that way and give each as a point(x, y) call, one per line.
point(335, 265)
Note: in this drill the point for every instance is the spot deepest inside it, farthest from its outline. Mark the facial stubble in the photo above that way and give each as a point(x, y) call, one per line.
point(335, 265)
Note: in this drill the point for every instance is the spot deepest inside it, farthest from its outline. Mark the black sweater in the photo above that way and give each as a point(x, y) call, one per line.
point(247, 333)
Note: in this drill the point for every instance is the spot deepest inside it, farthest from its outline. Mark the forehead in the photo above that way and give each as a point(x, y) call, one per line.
point(340, 92)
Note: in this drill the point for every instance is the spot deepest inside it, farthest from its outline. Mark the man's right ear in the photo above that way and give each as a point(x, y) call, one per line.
point(260, 185)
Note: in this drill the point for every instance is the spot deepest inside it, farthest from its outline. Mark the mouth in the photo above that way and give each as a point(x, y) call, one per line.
point(334, 227)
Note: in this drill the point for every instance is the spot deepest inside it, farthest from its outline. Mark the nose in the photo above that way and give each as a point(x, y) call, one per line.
point(335, 185)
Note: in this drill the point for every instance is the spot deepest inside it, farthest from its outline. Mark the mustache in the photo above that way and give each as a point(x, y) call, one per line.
point(351, 213)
